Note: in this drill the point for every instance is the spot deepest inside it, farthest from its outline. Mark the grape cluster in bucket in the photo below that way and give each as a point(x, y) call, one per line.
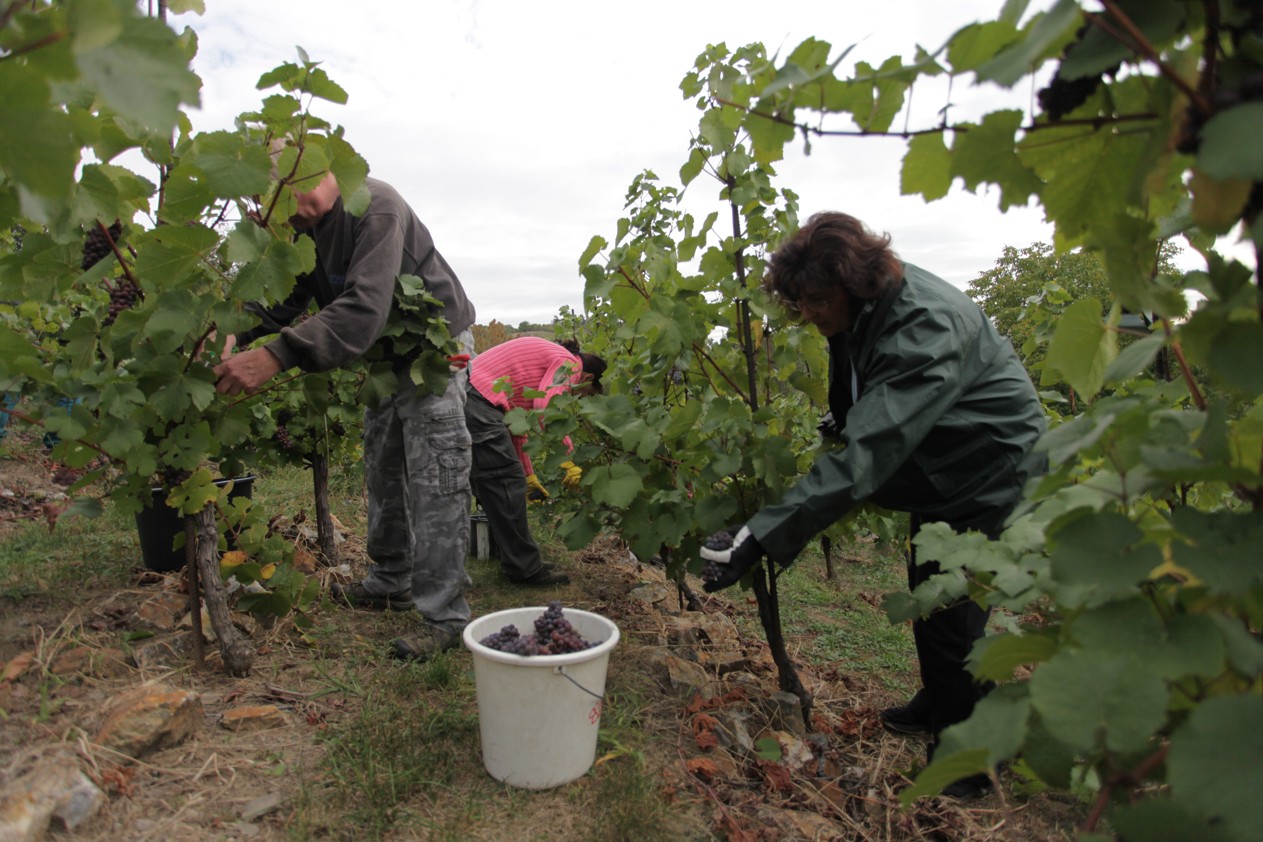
point(553, 636)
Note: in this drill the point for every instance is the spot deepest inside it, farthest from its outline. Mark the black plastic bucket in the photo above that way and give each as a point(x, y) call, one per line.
point(159, 524)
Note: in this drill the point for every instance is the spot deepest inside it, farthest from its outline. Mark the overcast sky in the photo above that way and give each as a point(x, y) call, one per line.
point(514, 127)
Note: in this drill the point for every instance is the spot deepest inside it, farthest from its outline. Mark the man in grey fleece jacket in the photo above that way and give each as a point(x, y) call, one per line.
point(416, 446)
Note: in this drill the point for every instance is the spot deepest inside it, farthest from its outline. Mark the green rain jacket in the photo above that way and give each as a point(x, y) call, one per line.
point(938, 418)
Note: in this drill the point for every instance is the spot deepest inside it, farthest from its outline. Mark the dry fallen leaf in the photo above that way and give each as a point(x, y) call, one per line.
point(16, 667)
point(776, 776)
point(304, 562)
point(704, 726)
point(703, 767)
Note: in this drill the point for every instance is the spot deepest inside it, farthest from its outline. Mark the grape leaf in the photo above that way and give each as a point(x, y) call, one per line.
point(1220, 548)
point(614, 485)
point(143, 73)
point(1045, 36)
point(1213, 763)
point(927, 167)
point(945, 770)
point(985, 153)
point(1098, 557)
point(1082, 348)
point(995, 658)
point(1160, 817)
point(1100, 49)
point(1235, 354)
point(1185, 645)
point(998, 724)
point(230, 166)
point(1134, 359)
point(37, 150)
point(978, 43)
point(1090, 700)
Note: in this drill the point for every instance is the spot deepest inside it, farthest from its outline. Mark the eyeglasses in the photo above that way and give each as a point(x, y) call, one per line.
point(815, 304)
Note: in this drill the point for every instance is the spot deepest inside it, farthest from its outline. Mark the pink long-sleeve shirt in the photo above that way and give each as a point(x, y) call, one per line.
point(527, 362)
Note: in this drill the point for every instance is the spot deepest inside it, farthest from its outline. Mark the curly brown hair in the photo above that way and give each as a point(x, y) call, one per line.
point(833, 250)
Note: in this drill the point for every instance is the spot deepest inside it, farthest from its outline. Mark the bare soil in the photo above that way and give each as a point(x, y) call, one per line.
point(200, 789)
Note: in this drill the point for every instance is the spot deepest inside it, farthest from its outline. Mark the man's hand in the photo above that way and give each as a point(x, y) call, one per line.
point(729, 554)
point(246, 372)
point(535, 490)
point(574, 474)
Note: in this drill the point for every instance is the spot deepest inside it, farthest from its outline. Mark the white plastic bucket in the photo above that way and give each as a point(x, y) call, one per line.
point(538, 715)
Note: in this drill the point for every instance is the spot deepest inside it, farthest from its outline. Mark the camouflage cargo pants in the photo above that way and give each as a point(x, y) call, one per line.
point(416, 464)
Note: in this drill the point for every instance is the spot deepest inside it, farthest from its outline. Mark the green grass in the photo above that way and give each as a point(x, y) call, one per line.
point(838, 624)
point(400, 741)
point(59, 563)
point(289, 489)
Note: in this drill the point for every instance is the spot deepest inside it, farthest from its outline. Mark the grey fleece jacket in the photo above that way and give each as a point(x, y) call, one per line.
point(940, 420)
point(358, 259)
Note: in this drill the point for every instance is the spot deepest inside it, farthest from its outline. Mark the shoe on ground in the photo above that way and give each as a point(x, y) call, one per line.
point(354, 595)
point(424, 644)
point(973, 786)
point(912, 718)
point(545, 576)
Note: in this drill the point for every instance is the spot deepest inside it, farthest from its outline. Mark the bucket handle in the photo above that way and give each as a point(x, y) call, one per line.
point(561, 670)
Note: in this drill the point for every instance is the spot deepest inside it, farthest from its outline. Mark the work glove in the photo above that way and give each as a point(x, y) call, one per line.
point(729, 554)
point(828, 427)
point(573, 475)
point(535, 490)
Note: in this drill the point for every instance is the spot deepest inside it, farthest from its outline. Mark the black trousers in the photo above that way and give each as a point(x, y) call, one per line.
point(943, 642)
point(499, 483)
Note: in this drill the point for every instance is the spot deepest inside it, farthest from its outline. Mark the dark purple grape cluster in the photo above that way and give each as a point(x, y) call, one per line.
point(553, 636)
point(718, 542)
point(677, 376)
point(1062, 96)
point(123, 295)
point(171, 477)
point(97, 244)
point(1065, 95)
point(283, 437)
point(503, 639)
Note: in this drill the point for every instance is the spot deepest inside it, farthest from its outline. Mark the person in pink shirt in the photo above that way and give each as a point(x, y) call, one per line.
point(502, 475)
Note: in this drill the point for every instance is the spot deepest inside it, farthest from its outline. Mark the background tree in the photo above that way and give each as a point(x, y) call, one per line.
point(1020, 276)
point(1027, 290)
point(488, 336)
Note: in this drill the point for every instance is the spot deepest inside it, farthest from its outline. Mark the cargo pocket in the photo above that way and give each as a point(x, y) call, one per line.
point(449, 444)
